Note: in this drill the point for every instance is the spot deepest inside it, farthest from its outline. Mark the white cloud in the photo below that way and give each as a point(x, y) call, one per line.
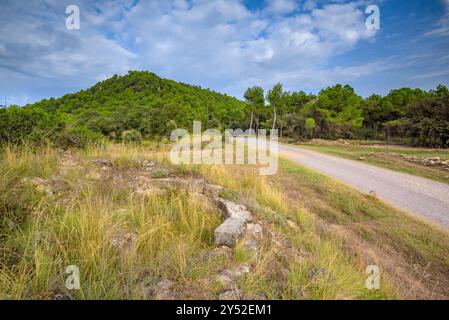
point(219, 44)
point(281, 6)
point(215, 43)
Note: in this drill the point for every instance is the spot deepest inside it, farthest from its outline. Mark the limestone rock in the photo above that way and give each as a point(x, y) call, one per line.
point(123, 240)
point(230, 231)
point(235, 294)
point(103, 162)
point(212, 190)
point(223, 251)
point(254, 296)
point(241, 270)
point(233, 210)
point(163, 290)
point(226, 279)
point(251, 245)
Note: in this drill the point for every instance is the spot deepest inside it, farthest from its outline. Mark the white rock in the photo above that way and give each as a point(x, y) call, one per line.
point(229, 232)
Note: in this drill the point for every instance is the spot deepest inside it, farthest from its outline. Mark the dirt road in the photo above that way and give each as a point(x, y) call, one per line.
point(423, 197)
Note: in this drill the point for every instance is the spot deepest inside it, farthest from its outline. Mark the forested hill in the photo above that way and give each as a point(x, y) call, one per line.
point(141, 100)
point(141, 105)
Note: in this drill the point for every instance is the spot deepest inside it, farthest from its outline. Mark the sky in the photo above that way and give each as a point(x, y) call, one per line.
point(224, 45)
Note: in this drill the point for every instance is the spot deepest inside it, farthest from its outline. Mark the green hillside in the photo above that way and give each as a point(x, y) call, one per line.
point(141, 100)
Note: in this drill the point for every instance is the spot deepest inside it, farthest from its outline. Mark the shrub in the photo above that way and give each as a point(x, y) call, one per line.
point(131, 136)
point(78, 137)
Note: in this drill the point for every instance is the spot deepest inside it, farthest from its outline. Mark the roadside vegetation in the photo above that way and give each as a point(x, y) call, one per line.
point(98, 208)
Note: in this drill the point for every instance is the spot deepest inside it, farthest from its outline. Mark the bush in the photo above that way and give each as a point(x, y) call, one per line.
point(428, 122)
point(131, 136)
point(18, 124)
point(78, 137)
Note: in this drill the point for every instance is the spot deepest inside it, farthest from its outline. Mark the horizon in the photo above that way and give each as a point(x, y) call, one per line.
point(224, 46)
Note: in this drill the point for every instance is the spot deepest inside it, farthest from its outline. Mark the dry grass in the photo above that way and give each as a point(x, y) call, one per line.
point(413, 253)
point(301, 256)
point(172, 231)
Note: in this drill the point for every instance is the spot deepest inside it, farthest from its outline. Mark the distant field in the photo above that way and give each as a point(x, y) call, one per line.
point(388, 157)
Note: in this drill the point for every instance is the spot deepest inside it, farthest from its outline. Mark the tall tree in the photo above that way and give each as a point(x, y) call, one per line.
point(275, 98)
point(255, 100)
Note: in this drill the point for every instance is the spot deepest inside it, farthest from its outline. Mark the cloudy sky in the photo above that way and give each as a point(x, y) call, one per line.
point(225, 45)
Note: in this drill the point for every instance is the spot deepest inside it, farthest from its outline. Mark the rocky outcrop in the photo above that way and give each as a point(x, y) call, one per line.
point(428, 162)
point(233, 228)
point(123, 240)
point(234, 294)
point(163, 290)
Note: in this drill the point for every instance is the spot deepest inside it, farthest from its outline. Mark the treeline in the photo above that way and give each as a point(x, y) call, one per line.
point(411, 116)
point(141, 105)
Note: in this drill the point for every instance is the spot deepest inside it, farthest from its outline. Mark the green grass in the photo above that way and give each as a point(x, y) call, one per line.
point(383, 156)
point(298, 208)
point(368, 220)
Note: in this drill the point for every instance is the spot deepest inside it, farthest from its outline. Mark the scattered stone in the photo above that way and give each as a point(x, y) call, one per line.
point(254, 296)
point(103, 162)
point(44, 189)
point(160, 173)
point(232, 229)
point(235, 294)
point(362, 158)
point(315, 273)
point(163, 290)
point(229, 232)
point(226, 279)
point(192, 185)
point(241, 270)
point(38, 181)
point(212, 190)
point(251, 245)
point(123, 240)
point(233, 210)
point(58, 296)
point(148, 165)
point(41, 185)
point(254, 230)
point(222, 251)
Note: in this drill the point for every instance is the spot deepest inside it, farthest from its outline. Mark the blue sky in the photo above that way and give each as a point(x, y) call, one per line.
point(224, 45)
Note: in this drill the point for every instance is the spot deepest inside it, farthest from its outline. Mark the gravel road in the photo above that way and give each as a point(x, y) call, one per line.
point(426, 198)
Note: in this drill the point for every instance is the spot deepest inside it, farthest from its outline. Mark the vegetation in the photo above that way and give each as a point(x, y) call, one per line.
point(139, 101)
point(61, 209)
point(146, 105)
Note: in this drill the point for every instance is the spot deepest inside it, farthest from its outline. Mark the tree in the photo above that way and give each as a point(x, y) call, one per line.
point(310, 126)
point(337, 111)
point(255, 100)
point(275, 98)
point(428, 121)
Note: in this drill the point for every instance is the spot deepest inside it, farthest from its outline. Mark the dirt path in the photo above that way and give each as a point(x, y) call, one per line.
point(426, 198)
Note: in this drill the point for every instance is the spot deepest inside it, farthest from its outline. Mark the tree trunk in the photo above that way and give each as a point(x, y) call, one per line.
point(251, 123)
point(274, 119)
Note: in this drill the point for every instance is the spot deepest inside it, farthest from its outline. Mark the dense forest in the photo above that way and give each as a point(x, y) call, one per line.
point(141, 105)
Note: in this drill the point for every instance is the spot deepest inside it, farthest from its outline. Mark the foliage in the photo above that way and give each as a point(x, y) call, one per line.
point(132, 136)
point(78, 137)
point(428, 121)
point(142, 105)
